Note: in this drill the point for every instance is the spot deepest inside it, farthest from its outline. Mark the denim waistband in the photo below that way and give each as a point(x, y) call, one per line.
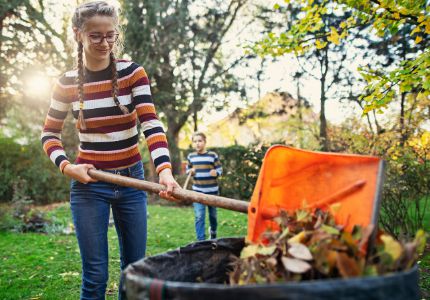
point(125, 171)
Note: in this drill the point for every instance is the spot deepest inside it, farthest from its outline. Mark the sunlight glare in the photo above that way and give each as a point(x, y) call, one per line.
point(37, 86)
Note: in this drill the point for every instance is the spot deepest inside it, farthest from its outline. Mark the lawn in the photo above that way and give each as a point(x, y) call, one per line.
point(40, 266)
point(47, 266)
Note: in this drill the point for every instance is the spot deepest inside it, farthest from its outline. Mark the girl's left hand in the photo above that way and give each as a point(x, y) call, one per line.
point(166, 179)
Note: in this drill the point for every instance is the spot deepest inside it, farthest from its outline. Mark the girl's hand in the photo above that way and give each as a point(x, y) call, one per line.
point(213, 173)
point(79, 172)
point(166, 179)
point(192, 171)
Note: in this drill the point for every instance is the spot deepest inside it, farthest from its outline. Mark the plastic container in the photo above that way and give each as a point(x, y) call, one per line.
point(199, 271)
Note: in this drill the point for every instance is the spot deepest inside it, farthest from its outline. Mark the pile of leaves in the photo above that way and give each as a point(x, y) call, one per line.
point(311, 246)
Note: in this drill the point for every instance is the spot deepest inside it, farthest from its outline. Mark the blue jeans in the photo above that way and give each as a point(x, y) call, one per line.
point(199, 221)
point(90, 204)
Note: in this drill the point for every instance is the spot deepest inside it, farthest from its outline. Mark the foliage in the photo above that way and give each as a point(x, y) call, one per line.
point(311, 246)
point(21, 217)
point(276, 117)
point(28, 166)
point(407, 185)
point(328, 64)
point(386, 19)
point(26, 38)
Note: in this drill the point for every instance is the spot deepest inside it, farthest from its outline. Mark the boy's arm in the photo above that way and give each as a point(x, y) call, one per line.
point(217, 165)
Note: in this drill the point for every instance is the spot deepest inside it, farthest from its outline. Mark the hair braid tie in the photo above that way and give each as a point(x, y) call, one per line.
point(123, 108)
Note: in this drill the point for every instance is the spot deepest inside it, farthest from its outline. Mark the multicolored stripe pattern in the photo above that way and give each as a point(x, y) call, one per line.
point(203, 163)
point(110, 140)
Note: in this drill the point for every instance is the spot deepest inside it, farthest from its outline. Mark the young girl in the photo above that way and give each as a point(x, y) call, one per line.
point(206, 167)
point(106, 96)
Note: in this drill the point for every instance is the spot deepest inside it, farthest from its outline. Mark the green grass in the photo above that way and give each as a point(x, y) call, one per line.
point(40, 266)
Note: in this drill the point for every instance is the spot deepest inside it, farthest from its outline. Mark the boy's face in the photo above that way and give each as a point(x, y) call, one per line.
point(199, 143)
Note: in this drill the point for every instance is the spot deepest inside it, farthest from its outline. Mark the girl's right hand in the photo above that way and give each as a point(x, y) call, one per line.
point(79, 172)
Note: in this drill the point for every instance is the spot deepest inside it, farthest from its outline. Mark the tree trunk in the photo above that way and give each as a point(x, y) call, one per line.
point(195, 120)
point(173, 138)
point(299, 110)
point(323, 121)
point(2, 81)
point(403, 133)
point(323, 126)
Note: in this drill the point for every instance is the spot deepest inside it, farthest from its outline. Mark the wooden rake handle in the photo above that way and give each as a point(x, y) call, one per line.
point(178, 193)
point(187, 181)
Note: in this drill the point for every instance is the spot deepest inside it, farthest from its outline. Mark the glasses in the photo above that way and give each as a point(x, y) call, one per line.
point(96, 38)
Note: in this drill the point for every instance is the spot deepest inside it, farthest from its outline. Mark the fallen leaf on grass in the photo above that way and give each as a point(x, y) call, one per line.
point(69, 274)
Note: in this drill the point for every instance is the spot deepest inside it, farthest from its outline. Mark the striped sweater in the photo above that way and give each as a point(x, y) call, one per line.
point(203, 163)
point(110, 140)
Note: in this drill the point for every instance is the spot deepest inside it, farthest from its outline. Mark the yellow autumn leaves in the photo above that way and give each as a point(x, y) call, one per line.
point(421, 144)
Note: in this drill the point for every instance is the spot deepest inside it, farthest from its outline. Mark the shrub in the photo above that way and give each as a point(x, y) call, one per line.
point(42, 181)
point(241, 166)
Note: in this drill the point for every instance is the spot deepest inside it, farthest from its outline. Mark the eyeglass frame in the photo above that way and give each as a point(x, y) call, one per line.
point(104, 37)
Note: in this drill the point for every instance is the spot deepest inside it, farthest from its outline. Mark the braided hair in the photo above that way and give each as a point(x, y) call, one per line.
point(82, 14)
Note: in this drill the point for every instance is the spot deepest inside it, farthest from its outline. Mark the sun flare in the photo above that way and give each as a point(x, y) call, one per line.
point(37, 85)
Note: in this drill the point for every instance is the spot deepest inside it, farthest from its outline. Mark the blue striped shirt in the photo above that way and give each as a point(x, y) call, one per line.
point(203, 163)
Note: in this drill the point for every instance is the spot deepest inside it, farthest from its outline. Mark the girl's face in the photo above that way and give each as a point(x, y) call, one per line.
point(98, 38)
point(199, 143)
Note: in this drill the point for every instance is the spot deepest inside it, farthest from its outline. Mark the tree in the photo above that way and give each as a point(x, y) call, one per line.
point(178, 43)
point(384, 17)
point(325, 62)
point(25, 37)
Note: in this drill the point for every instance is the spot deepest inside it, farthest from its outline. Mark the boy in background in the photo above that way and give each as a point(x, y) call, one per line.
point(205, 167)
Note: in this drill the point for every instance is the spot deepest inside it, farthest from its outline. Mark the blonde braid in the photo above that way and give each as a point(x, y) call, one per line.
point(123, 108)
point(80, 81)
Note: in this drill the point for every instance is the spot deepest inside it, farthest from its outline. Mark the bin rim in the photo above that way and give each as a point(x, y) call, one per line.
point(186, 285)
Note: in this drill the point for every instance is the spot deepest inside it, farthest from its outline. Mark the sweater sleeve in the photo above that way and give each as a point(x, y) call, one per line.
point(54, 121)
point(151, 125)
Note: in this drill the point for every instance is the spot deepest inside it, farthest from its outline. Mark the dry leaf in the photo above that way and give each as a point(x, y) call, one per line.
point(266, 250)
point(297, 238)
point(300, 251)
point(249, 251)
point(392, 247)
point(295, 265)
point(348, 267)
point(272, 262)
